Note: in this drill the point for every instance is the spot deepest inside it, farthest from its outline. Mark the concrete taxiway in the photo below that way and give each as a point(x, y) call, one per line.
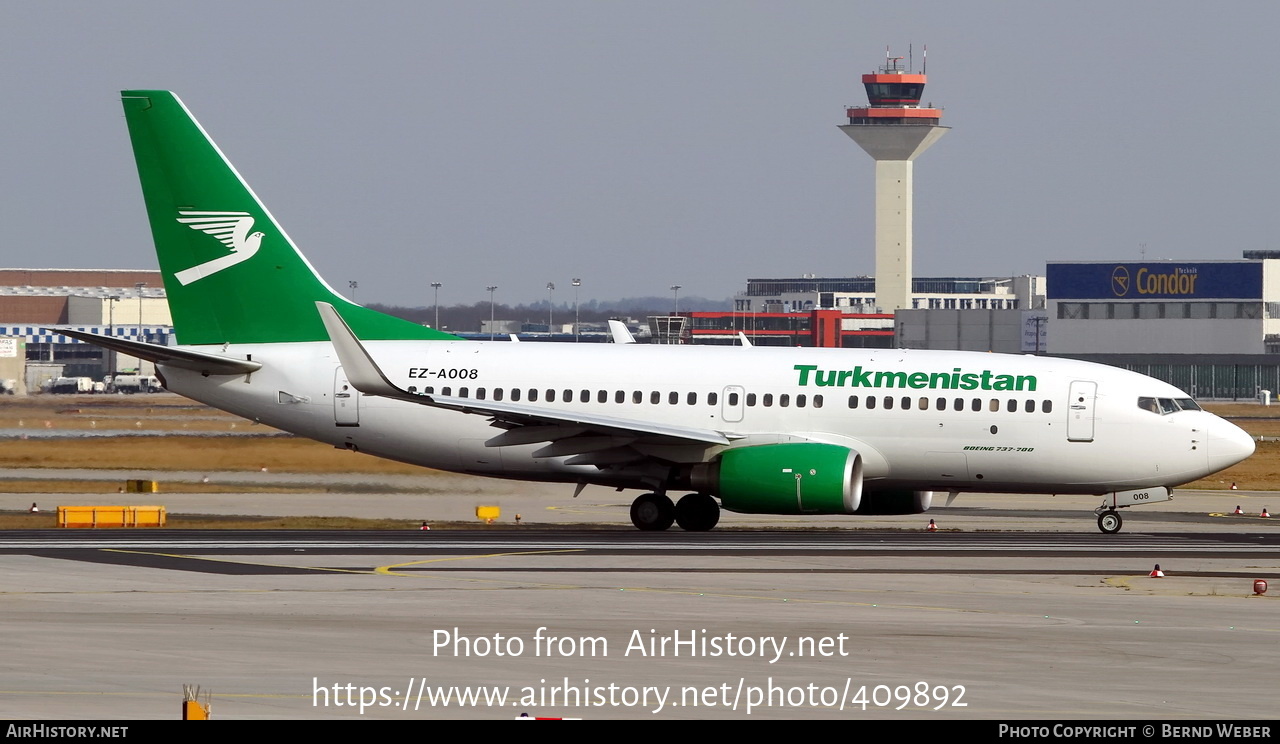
point(1018, 609)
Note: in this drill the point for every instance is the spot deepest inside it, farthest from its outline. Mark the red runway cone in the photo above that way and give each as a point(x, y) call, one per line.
point(932, 527)
point(1259, 587)
point(1234, 487)
point(425, 526)
point(1238, 510)
point(1156, 573)
point(1264, 513)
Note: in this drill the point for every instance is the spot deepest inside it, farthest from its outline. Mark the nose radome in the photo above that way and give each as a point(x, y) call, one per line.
point(1227, 444)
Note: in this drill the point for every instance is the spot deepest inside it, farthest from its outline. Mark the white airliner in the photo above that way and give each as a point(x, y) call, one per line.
point(748, 429)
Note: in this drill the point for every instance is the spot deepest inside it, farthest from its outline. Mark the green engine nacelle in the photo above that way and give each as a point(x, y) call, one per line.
point(799, 478)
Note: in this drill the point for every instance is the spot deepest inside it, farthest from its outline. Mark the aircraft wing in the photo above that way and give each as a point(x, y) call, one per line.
point(527, 424)
point(196, 361)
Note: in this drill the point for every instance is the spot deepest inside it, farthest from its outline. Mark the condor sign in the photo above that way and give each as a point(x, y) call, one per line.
point(1155, 281)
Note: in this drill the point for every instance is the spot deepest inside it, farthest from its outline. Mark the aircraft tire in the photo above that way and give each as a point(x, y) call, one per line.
point(697, 512)
point(652, 512)
point(1110, 521)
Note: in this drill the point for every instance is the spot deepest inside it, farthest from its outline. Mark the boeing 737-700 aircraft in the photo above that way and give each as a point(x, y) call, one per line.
point(748, 429)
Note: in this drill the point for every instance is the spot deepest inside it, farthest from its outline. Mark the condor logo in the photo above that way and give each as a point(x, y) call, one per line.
point(1120, 281)
point(1175, 281)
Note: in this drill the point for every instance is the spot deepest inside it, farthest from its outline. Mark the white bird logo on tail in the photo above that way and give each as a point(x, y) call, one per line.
point(232, 229)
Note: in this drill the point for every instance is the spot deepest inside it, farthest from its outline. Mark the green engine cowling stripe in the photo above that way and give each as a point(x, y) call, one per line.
point(798, 478)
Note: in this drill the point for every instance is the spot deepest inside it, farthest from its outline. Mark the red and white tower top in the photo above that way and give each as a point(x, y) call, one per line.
point(894, 95)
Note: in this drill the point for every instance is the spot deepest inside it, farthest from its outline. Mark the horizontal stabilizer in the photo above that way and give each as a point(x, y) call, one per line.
point(196, 361)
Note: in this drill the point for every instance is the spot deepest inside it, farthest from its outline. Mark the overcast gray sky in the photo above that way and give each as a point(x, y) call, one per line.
point(642, 144)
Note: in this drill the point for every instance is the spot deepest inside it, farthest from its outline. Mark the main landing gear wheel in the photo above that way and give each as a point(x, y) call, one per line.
point(697, 512)
point(652, 512)
point(1109, 521)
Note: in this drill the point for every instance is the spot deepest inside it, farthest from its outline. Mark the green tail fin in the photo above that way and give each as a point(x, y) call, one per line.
point(231, 273)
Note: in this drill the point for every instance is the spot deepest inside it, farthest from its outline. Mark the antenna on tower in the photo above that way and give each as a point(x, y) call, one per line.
point(911, 57)
point(1143, 250)
point(924, 61)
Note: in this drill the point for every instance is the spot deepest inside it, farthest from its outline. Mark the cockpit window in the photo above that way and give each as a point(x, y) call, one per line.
point(1165, 406)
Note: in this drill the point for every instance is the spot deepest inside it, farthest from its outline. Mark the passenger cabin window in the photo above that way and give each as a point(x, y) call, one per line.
point(637, 396)
point(768, 400)
point(751, 399)
point(1012, 406)
point(1031, 406)
point(871, 402)
point(692, 399)
point(801, 401)
point(655, 397)
point(584, 396)
point(566, 396)
point(620, 396)
point(712, 398)
point(853, 401)
point(817, 401)
point(533, 395)
point(602, 396)
point(888, 402)
point(515, 394)
point(497, 393)
point(733, 399)
point(479, 393)
point(462, 392)
point(1046, 406)
point(784, 400)
point(673, 398)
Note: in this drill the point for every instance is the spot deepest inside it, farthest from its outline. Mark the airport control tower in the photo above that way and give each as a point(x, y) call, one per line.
point(894, 130)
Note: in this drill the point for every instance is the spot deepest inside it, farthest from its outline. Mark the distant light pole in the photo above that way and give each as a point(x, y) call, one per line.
point(675, 288)
point(354, 286)
point(111, 332)
point(551, 287)
point(436, 287)
point(491, 289)
point(576, 283)
point(139, 287)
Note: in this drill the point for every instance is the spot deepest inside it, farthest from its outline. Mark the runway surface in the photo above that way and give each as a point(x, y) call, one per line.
point(1018, 609)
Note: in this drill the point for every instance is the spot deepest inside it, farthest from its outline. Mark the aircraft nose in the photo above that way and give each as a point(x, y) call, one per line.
point(1227, 444)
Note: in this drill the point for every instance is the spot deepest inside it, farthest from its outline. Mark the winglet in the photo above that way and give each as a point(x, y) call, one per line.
point(743, 338)
point(362, 372)
point(620, 334)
